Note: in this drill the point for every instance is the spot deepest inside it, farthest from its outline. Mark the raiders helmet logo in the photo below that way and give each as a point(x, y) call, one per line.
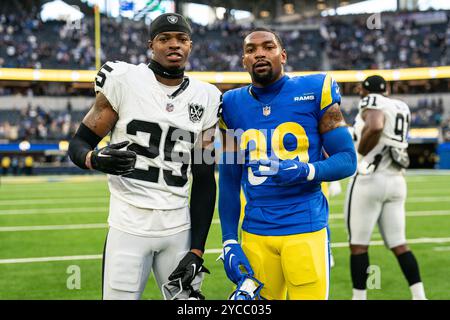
point(195, 112)
point(172, 19)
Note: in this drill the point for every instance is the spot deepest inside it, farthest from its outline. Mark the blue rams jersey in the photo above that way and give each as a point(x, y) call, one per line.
point(287, 127)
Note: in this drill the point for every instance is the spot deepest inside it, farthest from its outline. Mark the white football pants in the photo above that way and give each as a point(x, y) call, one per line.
point(377, 198)
point(129, 259)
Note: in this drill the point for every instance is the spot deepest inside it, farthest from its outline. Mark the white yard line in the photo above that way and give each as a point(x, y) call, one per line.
point(433, 192)
point(208, 251)
point(408, 200)
point(53, 201)
point(55, 227)
point(441, 248)
point(409, 241)
point(99, 209)
point(48, 259)
point(428, 213)
point(408, 214)
point(46, 196)
point(429, 199)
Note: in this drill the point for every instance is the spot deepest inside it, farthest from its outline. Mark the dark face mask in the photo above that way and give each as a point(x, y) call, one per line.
point(161, 71)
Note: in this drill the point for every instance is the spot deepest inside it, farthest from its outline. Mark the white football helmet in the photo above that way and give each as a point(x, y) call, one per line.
point(173, 290)
point(249, 288)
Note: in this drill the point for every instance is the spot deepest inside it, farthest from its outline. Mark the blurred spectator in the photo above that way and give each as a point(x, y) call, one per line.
point(15, 166)
point(6, 163)
point(445, 127)
point(28, 165)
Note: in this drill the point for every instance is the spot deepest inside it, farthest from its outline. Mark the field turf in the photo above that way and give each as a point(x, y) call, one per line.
point(50, 224)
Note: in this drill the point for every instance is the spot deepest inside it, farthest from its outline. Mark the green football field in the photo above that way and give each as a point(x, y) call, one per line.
point(51, 226)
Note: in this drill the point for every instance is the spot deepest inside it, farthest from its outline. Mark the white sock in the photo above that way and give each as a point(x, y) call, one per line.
point(359, 294)
point(417, 291)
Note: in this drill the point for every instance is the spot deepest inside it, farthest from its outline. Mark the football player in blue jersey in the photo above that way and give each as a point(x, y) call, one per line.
point(280, 127)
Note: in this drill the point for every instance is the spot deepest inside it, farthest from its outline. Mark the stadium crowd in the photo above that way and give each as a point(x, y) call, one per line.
point(211, 52)
point(399, 43)
point(427, 112)
point(33, 123)
point(25, 41)
point(63, 45)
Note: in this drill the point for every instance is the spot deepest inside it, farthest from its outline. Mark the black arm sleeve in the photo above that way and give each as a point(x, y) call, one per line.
point(202, 204)
point(82, 142)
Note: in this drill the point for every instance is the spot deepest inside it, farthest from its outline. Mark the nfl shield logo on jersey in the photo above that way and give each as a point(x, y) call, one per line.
point(169, 107)
point(266, 110)
point(195, 112)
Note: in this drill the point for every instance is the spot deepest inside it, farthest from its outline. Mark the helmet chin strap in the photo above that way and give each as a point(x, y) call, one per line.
point(164, 72)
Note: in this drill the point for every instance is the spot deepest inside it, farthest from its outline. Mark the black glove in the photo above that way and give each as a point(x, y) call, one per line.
point(188, 268)
point(112, 160)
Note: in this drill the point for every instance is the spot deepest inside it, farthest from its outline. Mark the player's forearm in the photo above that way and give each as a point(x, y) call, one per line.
point(81, 145)
point(342, 157)
point(338, 166)
point(202, 204)
point(229, 196)
point(369, 139)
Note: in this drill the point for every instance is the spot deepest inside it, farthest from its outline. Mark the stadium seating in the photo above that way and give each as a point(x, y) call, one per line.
point(343, 43)
point(39, 124)
point(35, 124)
point(400, 43)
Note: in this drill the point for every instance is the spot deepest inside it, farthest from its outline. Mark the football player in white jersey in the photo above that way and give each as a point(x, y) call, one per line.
point(377, 192)
point(162, 127)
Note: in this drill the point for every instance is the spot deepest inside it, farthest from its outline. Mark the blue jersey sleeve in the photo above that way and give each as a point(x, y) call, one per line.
point(330, 94)
point(224, 118)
